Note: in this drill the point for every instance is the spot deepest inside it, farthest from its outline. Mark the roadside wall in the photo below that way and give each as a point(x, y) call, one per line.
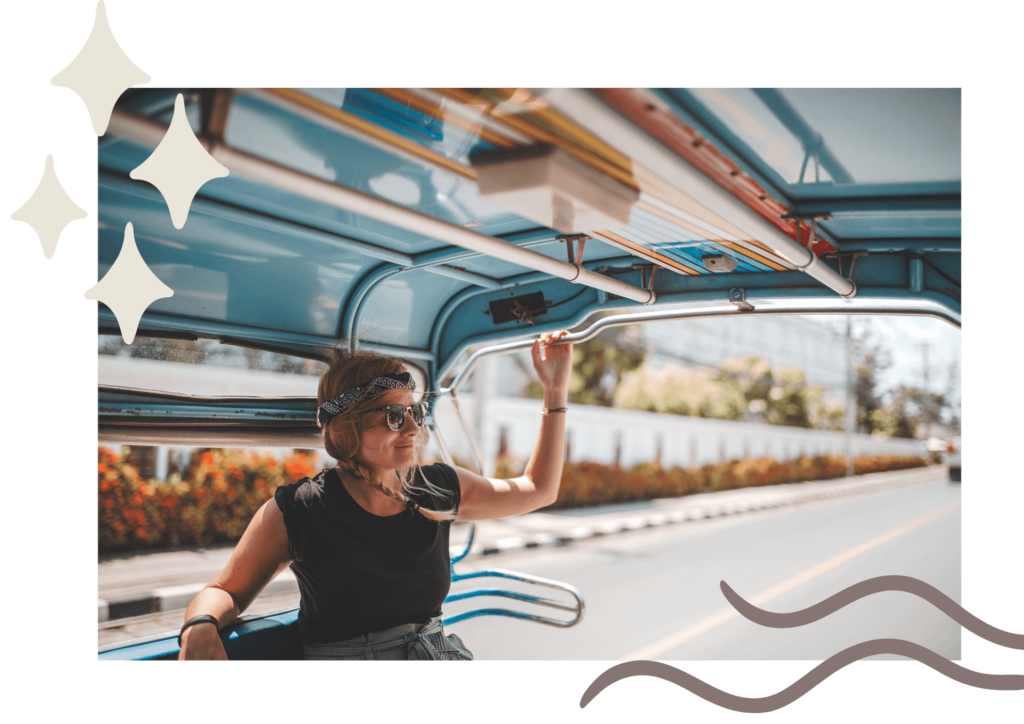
point(628, 437)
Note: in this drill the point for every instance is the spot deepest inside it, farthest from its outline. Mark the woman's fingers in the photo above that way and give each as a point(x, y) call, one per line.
point(545, 340)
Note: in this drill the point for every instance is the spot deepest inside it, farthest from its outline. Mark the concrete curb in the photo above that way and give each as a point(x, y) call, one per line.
point(565, 533)
point(759, 500)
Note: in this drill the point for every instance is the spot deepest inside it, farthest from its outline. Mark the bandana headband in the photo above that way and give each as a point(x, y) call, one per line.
point(373, 388)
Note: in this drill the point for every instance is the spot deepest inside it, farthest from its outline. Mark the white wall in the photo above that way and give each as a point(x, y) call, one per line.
point(597, 433)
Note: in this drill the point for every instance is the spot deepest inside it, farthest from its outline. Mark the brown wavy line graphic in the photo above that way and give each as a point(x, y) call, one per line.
point(866, 588)
point(899, 647)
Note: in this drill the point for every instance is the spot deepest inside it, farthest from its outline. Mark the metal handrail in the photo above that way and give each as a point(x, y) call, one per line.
point(578, 608)
point(704, 311)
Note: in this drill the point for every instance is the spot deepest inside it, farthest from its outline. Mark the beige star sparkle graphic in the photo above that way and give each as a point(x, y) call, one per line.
point(129, 287)
point(179, 166)
point(100, 72)
point(49, 210)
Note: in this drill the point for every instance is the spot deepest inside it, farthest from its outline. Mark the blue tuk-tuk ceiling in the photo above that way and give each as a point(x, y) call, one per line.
point(868, 179)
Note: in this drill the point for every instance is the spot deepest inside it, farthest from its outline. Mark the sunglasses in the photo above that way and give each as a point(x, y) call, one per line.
point(396, 414)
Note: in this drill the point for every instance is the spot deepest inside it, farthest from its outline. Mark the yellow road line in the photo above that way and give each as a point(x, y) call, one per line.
point(703, 626)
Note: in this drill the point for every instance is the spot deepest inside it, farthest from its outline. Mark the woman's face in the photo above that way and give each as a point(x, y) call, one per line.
point(385, 449)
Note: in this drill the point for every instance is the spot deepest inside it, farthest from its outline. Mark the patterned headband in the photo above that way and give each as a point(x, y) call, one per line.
point(373, 388)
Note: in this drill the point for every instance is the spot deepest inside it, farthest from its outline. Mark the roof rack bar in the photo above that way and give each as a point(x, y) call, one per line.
point(812, 141)
point(594, 116)
point(302, 184)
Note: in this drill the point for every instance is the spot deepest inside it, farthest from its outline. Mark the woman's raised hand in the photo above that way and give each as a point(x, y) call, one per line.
point(553, 362)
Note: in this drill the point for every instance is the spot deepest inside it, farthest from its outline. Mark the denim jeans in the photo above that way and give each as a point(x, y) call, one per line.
point(412, 641)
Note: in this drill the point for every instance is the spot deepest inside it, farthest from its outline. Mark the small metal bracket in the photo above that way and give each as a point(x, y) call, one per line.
point(814, 217)
point(806, 216)
point(854, 256)
point(644, 282)
point(739, 297)
point(214, 107)
point(580, 240)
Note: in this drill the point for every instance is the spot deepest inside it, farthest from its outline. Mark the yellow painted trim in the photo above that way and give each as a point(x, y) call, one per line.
point(646, 252)
point(583, 138)
point(353, 121)
point(529, 127)
point(707, 235)
point(654, 185)
point(410, 99)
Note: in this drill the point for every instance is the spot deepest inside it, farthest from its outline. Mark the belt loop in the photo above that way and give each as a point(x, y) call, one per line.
point(419, 643)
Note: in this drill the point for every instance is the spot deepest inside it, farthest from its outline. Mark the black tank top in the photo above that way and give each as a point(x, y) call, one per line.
point(358, 572)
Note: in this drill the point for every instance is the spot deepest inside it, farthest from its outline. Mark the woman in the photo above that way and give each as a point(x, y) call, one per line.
point(368, 539)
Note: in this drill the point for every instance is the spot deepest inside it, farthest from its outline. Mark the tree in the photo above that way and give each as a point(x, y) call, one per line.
point(909, 408)
point(599, 365)
point(747, 389)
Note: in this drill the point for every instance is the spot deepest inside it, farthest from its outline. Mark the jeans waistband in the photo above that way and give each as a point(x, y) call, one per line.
point(425, 641)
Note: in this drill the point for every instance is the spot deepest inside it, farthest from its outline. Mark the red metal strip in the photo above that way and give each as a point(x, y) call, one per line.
point(699, 152)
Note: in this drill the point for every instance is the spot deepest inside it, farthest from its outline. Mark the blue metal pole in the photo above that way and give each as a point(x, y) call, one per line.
point(916, 276)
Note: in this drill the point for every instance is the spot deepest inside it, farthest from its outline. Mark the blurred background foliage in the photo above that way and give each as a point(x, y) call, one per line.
point(610, 371)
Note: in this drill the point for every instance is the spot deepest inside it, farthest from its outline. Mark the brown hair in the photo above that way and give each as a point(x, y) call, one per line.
point(343, 434)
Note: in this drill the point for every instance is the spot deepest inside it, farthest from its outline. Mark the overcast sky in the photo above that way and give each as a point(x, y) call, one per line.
point(905, 337)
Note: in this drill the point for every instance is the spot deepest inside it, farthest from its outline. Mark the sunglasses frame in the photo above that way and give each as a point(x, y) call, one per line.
point(406, 409)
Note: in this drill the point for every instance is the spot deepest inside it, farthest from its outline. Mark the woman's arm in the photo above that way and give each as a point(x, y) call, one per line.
point(260, 555)
point(483, 498)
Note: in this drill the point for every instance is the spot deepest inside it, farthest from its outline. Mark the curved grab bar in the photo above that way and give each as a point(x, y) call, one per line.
point(578, 609)
point(465, 549)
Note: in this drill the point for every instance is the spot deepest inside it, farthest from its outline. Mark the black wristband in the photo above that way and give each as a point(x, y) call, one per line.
point(206, 618)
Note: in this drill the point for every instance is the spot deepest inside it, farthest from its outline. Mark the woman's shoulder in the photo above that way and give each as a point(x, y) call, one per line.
point(441, 475)
point(302, 491)
point(442, 491)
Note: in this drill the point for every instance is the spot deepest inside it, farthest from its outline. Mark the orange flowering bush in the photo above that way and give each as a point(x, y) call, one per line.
point(587, 484)
point(213, 501)
point(220, 490)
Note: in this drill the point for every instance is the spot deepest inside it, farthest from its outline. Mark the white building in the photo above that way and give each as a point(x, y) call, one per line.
point(785, 341)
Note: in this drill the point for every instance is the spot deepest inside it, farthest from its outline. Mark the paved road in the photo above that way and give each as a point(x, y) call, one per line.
point(655, 593)
point(645, 587)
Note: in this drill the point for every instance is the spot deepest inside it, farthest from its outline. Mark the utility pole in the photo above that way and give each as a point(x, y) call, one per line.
point(927, 408)
point(851, 396)
point(951, 388)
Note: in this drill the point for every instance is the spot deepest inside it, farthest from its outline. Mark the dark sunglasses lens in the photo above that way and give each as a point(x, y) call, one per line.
point(396, 415)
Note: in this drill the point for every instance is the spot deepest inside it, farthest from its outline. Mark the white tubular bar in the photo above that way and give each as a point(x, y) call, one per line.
point(296, 182)
point(590, 113)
